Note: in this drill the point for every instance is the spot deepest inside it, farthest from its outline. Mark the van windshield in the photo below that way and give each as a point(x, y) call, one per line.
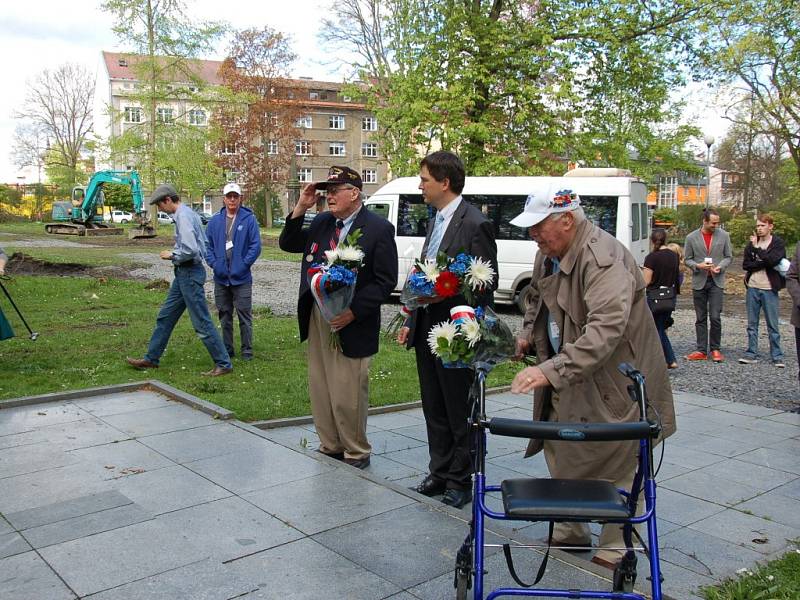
point(413, 214)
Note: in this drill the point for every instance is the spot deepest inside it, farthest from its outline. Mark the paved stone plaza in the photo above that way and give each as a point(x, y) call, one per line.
point(126, 493)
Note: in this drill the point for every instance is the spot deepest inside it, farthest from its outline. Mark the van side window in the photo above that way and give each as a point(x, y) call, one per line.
point(645, 221)
point(602, 211)
point(635, 219)
point(500, 210)
point(412, 216)
point(380, 209)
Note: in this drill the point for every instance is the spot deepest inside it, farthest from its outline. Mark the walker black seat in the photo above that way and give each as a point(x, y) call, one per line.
point(562, 499)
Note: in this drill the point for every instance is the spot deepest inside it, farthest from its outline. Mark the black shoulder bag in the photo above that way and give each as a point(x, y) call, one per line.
point(661, 299)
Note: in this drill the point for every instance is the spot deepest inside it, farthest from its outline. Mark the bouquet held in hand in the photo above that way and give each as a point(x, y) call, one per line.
point(442, 278)
point(333, 283)
point(474, 338)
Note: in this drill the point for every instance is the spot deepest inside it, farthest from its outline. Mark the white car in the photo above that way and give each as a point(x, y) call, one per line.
point(121, 216)
point(164, 218)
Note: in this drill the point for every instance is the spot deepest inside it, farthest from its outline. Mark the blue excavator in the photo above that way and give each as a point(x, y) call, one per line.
point(83, 215)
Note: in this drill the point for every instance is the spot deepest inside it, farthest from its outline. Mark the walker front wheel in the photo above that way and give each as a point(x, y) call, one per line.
point(463, 576)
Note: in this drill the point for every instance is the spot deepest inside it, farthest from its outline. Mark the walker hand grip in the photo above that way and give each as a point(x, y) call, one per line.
point(573, 432)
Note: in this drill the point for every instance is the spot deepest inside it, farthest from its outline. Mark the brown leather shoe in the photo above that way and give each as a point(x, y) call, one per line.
point(141, 363)
point(358, 463)
point(217, 372)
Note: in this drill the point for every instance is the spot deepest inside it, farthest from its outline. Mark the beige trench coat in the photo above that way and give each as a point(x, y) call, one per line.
point(599, 304)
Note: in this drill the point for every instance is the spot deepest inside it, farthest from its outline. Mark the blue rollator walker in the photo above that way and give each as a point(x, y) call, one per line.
point(561, 500)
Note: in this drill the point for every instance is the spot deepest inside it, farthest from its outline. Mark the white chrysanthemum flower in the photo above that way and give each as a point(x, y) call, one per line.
point(479, 273)
point(444, 330)
point(471, 330)
point(430, 270)
point(331, 256)
point(350, 253)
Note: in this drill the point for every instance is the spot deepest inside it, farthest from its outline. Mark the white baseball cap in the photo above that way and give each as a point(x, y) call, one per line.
point(232, 188)
point(543, 203)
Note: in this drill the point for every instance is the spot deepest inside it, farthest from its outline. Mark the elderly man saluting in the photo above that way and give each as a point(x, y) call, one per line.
point(588, 313)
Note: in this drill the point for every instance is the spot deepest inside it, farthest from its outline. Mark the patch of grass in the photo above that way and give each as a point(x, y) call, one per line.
point(777, 580)
point(87, 327)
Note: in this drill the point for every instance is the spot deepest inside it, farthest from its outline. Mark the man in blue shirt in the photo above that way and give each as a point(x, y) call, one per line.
point(234, 244)
point(186, 291)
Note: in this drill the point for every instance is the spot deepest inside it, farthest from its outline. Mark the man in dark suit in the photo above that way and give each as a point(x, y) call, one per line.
point(338, 379)
point(457, 227)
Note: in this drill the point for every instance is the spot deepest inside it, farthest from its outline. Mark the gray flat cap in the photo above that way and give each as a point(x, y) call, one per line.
point(162, 192)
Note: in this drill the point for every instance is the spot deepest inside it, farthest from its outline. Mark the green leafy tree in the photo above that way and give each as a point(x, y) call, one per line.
point(164, 146)
point(517, 86)
point(752, 45)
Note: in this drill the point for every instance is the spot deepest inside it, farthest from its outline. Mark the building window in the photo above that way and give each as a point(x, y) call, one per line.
point(336, 122)
point(272, 147)
point(133, 114)
point(274, 174)
point(231, 175)
point(369, 149)
point(336, 149)
point(313, 95)
point(229, 147)
point(304, 175)
point(302, 147)
point(197, 116)
point(272, 118)
point(305, 122)
point(369, 124)
point(164, 115)
point(369, 176)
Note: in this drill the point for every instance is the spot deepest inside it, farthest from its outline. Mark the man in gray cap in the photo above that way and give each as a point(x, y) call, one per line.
point(587, 314)
point(186, 291)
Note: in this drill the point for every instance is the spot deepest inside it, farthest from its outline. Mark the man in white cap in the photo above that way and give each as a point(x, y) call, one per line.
point(588, 313)
point(234, 244)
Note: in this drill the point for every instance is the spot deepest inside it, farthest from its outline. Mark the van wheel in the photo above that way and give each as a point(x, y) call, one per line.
point(124, 221)
point(523, 298)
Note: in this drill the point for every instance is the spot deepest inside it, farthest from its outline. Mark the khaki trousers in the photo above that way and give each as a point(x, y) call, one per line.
point(339, 391)
point(579, 533)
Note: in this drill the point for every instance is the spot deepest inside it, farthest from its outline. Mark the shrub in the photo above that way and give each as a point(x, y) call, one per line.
point(740, 228)
point(665, 215)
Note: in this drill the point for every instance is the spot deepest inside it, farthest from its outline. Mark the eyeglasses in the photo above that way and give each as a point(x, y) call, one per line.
point(232, 196)
point(332, 191)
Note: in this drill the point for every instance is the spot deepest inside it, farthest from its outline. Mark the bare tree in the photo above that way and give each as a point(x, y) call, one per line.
point(59, 105)
point(360, 27)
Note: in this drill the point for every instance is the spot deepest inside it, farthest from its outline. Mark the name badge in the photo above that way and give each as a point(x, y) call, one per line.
point(229, 245)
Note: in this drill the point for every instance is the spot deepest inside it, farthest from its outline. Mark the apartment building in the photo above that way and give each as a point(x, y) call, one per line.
point(334, 128)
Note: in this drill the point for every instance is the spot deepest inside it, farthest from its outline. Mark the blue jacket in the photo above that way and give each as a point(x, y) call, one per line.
point(246, 247)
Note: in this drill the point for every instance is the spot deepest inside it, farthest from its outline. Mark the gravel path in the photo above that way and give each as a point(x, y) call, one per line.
point(761, 384)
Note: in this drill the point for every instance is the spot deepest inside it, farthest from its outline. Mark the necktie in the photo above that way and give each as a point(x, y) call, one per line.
point(552, 327)
point(436, 237)
point(337, 231)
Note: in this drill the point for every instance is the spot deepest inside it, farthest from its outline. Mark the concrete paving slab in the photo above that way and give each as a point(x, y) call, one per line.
point(28, 418)
point(720, 446)
point(683, 509)
point(203, 442)
point(68, 509)
point(28, 577)
point(242, 472)
point(711, 487)
point(688, 457)
point(748, 436)
point(174, 417)
point(784, 430)
point(295, 437)
point(389, 441)
point(394, 420)
point(774, 458)
point(207, 579)
point(117, 403)
point(764, 479)
point(170, 489)
point(791, 489)
point(416, 432)
point(326, 501)
point(413, 457)
point(668, 470)
point(21, 460)
point(386, 468)
point(534, 466)
point(406, 546)
point(324, 574)
point(748, 531)
point(13, 543)
point(67, 436)
point(43, 488)
point(705, 554)
point(774, 507)
point(5, 527)
point(89, 524)
point(751, 410)
point(785, 417)
point(120, 459)
point(698, 399)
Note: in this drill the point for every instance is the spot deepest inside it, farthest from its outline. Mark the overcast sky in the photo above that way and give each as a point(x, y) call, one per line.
point(39, 34)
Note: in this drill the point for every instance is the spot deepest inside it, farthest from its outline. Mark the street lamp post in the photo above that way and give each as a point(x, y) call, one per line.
point(709, 141)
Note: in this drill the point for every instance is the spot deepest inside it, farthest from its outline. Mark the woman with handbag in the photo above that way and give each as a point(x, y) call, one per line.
point(661, 272)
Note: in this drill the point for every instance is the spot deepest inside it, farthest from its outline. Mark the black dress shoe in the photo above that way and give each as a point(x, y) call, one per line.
point(456, 498)
point(358, 463)
point(430, 486)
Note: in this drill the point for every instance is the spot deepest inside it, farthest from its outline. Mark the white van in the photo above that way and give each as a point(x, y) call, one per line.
point(611, 198)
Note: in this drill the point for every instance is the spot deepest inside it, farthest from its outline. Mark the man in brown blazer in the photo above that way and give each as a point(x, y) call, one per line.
point(588, 313)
